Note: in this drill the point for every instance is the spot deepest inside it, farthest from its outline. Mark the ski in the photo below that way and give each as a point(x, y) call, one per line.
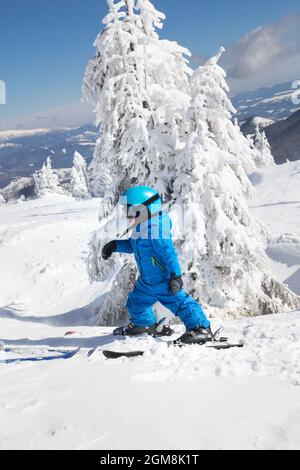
point(218, 345)
point(63, 355)
point(221, 345)
point(116, 355)
point(159, 329)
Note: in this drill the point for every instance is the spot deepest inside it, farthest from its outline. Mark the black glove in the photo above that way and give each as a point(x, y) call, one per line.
point(109, 249)
point(175, 284)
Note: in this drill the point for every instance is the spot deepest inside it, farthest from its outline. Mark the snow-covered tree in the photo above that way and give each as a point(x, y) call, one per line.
point(139, 87)
point(46, 181)
point(222, 246)
point(113, 84)
point(214, 107)
point(140, 91)
point(264, 154)
point(78, 177)
point(168, 85)
point(2, 200)
point(160, 128)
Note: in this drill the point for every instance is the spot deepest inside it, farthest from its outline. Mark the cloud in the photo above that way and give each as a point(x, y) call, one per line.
point(264, 47)
point(73, 115)
point(265, 56)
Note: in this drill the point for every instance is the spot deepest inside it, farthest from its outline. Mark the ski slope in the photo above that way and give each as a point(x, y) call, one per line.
point(189, 398)
point(278, 205)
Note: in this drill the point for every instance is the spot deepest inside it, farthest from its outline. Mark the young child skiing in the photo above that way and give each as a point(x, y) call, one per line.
point(160, 277)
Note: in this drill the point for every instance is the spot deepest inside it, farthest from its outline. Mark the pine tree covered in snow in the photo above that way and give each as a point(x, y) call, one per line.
point(139, 86)
point(168, 85)
point(159, 128)
point(46, 181)
point(222, 246)
point(264, 154)
point(209, 83)
point(140, 90)
point(78, 177)
point(2, 200)
point(113, 84)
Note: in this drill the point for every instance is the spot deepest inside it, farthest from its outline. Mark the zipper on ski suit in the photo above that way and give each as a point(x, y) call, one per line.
point(155, 262)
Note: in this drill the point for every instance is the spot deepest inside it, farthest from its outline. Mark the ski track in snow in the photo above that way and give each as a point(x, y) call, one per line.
point(172, 398)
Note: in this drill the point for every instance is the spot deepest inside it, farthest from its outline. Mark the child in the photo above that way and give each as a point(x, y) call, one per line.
point(160, 274)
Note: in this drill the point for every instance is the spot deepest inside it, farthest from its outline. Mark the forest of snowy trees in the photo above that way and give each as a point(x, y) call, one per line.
point(165, 125)
point(47, 181)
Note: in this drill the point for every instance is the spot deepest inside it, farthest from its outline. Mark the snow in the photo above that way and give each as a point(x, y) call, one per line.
point(278, 205)
point(183, 399)
point(52, 279)
point(9, 145)
point(278, 197)
point(4, 135)
point(279, 97)
point(262, 122)
point(189, 398)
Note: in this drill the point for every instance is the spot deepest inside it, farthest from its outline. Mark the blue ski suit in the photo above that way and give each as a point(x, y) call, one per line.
point(156, 258)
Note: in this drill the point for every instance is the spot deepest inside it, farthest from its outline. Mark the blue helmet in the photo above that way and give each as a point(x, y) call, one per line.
point(140, 197)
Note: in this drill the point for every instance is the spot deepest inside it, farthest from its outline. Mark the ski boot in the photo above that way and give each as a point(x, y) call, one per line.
point(156, 330)
point(195, 336)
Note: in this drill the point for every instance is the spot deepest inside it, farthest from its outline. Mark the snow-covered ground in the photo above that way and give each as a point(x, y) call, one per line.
point(171, 398)
point(278, 205)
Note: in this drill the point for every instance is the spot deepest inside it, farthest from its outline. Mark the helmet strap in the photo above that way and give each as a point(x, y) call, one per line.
point(147, 203)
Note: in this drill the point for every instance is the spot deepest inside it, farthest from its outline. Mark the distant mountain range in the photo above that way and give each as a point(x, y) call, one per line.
point(273, 102)
point(23, 152)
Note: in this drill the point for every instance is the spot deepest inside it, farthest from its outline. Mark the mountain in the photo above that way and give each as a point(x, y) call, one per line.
point(250, 125)
point(273, 102)
point(23, 152)
point(283, 135)
point(284, 138)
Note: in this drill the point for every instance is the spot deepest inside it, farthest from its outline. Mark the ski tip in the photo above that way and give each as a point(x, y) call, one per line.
point(70, 333)
point(72, 353)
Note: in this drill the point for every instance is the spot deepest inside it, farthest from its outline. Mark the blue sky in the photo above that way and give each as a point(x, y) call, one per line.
point(46, 44)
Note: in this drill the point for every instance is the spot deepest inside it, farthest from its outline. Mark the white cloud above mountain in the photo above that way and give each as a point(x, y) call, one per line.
point(261, 48)
point(73, 115)
point(266, 55)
